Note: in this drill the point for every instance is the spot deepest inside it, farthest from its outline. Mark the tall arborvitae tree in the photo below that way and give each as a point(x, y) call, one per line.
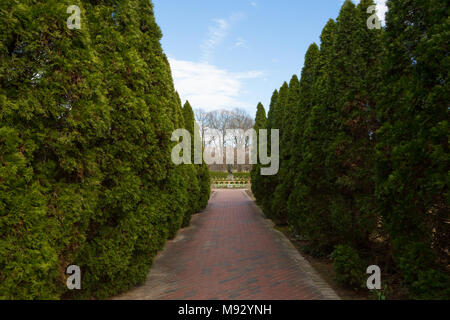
point(372, 53)
point(204, 181)
point(189, 120)
point(270, 113)
point(351, 152)
point(267, 184)
point(132, 221)
point(278, 112)
point(354, 181)
point(175, 194)
point(276, 123)
point(306, 102)
point(412, 147)
point(203, 177)
point(191, 172)
point(260, 123)
point(287, 143)
point(313, 186)
point(53, 121)
point(307, 94)
point(86, 176)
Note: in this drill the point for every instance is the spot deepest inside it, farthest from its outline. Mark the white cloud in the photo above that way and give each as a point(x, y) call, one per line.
point(209, 87)
point(253, 4)
point(241, 43)
point(216, 34)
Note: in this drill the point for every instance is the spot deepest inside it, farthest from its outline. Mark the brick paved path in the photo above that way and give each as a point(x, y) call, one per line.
point(230, 252)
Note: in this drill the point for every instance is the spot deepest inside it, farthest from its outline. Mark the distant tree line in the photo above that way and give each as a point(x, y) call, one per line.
point(86, 177)
point(221, 121)
point(364, 147)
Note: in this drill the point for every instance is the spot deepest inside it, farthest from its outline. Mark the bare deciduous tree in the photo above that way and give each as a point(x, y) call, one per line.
point(221, 121)
point(202, 118)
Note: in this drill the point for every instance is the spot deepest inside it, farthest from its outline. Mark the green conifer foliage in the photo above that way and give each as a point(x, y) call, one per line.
point(27, 259)
point(369, 149)
point(256, 177)
point(306, 101)
point(87, 115)
point(202, 170)
point(351, 152)
point(204, 180)
point(177, 198)
point(141, 197)
point(190, 170)
point(276, 122)
point(188, 115)
point(270, 113)
point(412, 146)
point(85, 152)
point(310, 202)
point(308, 79)
point(267, 184)
point(279, 112)
point(287, 142)
point(53, 120)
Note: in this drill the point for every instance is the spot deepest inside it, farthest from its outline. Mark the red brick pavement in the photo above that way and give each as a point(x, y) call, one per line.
point(230, 252)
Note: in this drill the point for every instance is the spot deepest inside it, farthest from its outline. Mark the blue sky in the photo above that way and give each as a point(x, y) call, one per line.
point(234, 53)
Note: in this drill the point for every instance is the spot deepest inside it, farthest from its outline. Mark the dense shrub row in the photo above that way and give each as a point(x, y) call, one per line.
point(242, 175)
point(86, 176)
point(220, 175)
point(364, 146)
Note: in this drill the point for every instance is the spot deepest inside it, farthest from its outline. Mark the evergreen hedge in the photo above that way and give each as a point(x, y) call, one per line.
point(255, 174)
point(86, 176)
point(364, 146)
